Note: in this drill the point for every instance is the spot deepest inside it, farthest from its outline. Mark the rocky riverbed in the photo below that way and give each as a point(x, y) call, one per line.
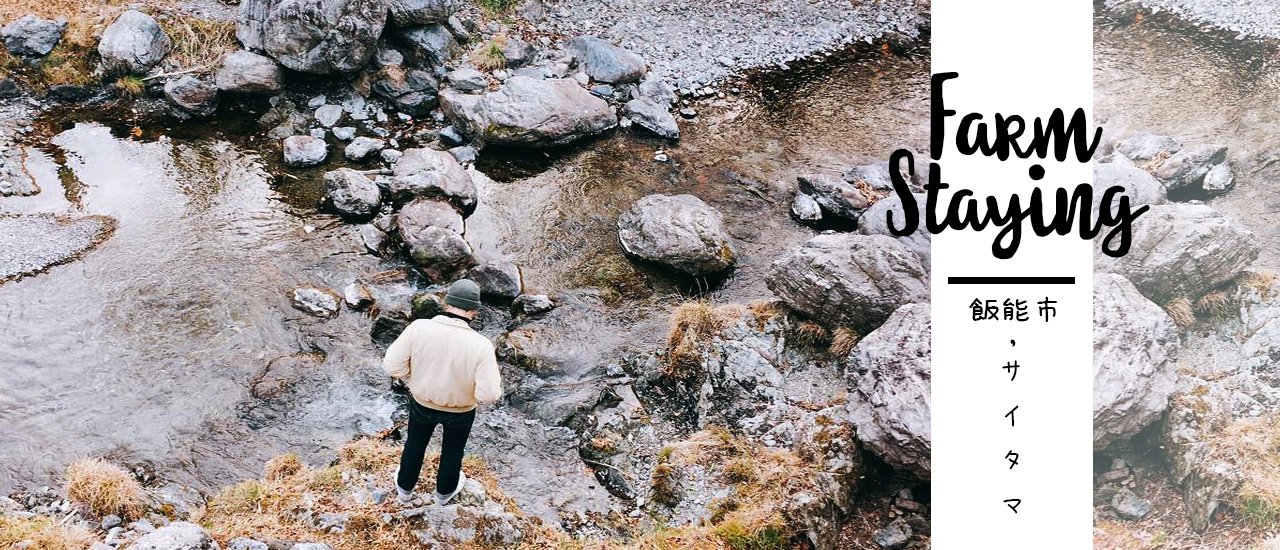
point(266, 223)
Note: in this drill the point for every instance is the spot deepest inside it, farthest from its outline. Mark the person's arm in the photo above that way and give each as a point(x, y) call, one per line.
point(396, 363)
point(488, 379)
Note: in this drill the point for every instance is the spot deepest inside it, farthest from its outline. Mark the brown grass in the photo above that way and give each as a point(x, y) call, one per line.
point(368, 454)
point(1258, 281)
point(489, 55)
point(282, 466)
point(843, 340)
point(1181, 311)
point(809, 335)
point(1215, 305)
point(198, 43)
point(693, 324)
point(104, 488)
point(43, 534)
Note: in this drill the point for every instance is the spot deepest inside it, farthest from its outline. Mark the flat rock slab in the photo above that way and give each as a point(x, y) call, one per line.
point(30, 244)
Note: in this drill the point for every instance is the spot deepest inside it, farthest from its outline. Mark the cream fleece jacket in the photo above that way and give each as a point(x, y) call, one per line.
point(446, 365)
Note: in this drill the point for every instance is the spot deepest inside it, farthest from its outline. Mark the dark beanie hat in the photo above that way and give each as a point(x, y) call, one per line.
point(463, 294)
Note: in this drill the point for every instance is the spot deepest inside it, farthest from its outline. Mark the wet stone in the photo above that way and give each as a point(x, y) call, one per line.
point(313, 300)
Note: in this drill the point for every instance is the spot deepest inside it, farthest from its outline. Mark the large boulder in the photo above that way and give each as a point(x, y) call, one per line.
point(1139, 185)
point(499, 281)
point(838, 197)
point(889, 372)
point(530, 112)
point(431, 173)
point(427, 45)
point(194, 96)
point(352, 194)
point(1135, 348)
point(245, 72)
point(875, 221)
point(605, 62)
point(677, 231)
point(846, 279)
point(313, 36)
point(179, 535)
point(1184, 171)
point(405, 13)
point(133, 44)
point(1143, 147)
point(32, 36)
point(432, 234)
point(1182, 250)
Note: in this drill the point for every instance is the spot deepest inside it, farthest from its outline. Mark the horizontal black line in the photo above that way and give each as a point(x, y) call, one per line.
point(1011, 280)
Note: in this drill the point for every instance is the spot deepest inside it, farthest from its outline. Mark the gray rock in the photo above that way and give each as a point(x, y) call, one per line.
point(1182, 250)
point(656, 90)
point(245, 72)
point(357, 296)
point(465, 154)
point(1139, 185)
point(837, 197)
point(1135, 348)
point(310, 546)
point(32, 36)
point(530, 112)
point(875, 176)
point(193, 95)
point(533, 304)
point(242, 543)
point(303, 151)
point(343, 133)
point(805, 209)
point(391, 156)
point(431, 173)
point(499, 281)
point(427, 45)
point(889, 370)
point(516, 53)
point(133, 44)
point(1185, 170)
point(328, 115)
point(677, 231)
point(406, 13)
point(426, 212)
point(333, 36)
point(352, 194)
point(854, 280)
point(605, 62)
point(451, 137)
point(1129, 506)
point(1218, 180)
point(894, 536)
point(652, 117)
point(414, 94)
point(318, 133)
point(111, 521)
point(467, 79)
point(179, 535)
point(362, 148)
point(875, 221)
point(313, 300)
point(1142, 147)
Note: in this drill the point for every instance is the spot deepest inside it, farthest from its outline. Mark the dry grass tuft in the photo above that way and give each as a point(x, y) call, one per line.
point(104, 488)
point(1215, 305)
point(693, 324)
point(809, 335)
point(1257, 281)
point(367, 454)
point(1257, 440)
point(282, 466)
point(130, 86)
point(1181, 311)
point(489, 55)
point(843, 340)
point(198, 44)
point(42, 533)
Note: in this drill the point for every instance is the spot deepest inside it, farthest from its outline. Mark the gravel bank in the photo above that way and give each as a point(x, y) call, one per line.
point(1248, 18)
point(698, 42)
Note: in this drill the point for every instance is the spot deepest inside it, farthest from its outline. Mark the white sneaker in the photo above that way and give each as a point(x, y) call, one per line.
point(443, 500)
point(401, 495)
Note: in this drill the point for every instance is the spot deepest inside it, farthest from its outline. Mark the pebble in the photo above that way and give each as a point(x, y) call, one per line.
point(317, 101)
point(688, 112)
point(660, 156)
point(344, 133)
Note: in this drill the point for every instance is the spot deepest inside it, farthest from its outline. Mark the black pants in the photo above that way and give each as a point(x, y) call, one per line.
point(422, 422)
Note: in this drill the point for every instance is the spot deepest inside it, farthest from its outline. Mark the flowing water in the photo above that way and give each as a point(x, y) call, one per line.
point(1158, 77)
point(143, 350)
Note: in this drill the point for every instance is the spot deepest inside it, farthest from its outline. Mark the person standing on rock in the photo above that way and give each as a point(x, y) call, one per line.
point(448, 368)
